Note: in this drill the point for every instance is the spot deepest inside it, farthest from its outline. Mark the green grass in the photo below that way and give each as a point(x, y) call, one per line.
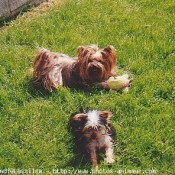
point(33, 123)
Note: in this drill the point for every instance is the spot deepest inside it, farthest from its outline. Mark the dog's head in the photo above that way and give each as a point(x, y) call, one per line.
point(92, 124)
point(96, 65)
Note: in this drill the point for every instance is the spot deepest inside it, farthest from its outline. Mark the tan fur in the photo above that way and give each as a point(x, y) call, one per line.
point(52, 70)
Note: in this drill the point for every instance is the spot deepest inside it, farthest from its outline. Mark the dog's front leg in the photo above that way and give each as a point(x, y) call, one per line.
point(109, 155)
point(94, 158)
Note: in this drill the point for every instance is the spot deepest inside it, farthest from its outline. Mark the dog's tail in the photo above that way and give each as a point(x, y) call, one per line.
point(40, 62)
point(42, 65)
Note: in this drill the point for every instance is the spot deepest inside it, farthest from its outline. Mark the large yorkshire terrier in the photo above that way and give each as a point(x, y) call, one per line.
point(92, 65)
point(92, 130)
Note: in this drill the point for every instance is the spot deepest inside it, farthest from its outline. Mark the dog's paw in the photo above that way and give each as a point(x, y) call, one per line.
point(110, 160)
point(95, 167)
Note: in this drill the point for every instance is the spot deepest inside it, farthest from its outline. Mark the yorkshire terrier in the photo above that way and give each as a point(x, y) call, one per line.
point(92, 130)
point(92, 65)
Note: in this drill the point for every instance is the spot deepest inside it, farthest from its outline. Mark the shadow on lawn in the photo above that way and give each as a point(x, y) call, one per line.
point(81, 157)
point(82, 161)
point(33, 89)
point(36, 90)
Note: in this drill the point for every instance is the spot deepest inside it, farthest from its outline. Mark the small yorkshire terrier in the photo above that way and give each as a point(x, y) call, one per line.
point(92, 130)
point(92, 65)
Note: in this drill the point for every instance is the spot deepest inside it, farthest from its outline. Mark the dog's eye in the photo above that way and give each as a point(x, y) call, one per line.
point(89, 129)
point(99, 127)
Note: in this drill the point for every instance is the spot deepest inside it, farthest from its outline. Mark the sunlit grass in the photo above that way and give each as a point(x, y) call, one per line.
point(33, 123)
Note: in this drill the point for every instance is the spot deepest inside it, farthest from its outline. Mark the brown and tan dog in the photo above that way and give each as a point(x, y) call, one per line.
point(92, 65)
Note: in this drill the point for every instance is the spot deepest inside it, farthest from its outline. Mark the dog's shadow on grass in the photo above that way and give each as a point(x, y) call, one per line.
point(80, 160)
point(36, 90)
point(80, 155)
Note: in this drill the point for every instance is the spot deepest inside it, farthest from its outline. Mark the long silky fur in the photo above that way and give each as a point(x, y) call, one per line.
point(52, 70)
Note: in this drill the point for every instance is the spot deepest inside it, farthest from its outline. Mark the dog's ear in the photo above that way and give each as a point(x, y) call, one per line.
point(84, 50)
point(83, 54)
point(79, 117)
point(106, 115)
point(110, 49)
point(81, 109)
point(109, 54)
point(80, 49)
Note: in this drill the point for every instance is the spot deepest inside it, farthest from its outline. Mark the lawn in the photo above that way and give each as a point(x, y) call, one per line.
point(34, 131)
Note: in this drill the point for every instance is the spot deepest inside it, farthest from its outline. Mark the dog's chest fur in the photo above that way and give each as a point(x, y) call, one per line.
point(105, 141)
